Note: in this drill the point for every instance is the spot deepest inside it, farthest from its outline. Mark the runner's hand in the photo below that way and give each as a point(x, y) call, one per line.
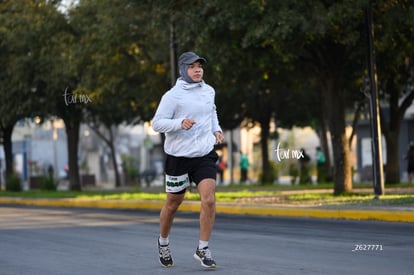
point(187, 123)
point(219, 137)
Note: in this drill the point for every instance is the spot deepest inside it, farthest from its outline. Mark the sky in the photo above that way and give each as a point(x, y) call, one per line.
point(66, 4)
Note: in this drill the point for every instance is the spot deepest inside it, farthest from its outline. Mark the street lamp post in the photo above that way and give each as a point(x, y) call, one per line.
point(374, 109)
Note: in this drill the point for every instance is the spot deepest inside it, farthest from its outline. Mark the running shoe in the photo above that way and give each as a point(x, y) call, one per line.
point(205, 258)
point(165, 255)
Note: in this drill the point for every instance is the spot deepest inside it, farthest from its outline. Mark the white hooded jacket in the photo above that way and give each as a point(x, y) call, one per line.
point(187, 100)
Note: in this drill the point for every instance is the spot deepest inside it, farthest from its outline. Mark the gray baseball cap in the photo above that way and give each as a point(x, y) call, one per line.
point(188, 58)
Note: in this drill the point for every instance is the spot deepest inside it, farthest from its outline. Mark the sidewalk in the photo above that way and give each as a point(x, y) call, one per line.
point(393, 213)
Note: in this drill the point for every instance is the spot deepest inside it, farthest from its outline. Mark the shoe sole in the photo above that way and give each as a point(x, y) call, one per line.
point(166, 266)
point(202, 264)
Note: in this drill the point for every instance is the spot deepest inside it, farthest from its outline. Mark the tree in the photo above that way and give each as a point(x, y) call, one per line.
point(14, 76)
point(325, 37)
point(60, 79)
point(23, 37)
point(121, 72)
point(394, 49)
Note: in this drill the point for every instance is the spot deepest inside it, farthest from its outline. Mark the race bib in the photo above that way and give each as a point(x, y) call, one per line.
point(174, 184)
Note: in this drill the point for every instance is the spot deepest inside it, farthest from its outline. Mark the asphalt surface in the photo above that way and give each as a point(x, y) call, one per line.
point(74, 240)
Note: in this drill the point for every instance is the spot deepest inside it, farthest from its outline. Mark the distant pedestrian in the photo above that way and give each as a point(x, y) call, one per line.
point(66, 168)
point(304, 176)
point(320, 165)
point(244, 167)
point(50, 171)
point(187, 115)
point(221, 167)
point(410, 158)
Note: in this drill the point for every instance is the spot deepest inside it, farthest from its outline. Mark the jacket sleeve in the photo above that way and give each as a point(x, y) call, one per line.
point(215, 123)
point(164, 121)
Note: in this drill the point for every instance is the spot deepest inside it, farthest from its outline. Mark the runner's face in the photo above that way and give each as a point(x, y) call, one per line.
point(195, 71)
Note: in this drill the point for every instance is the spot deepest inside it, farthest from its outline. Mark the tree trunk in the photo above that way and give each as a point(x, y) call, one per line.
point(392, 169)
point(334, 105)
point(323, 132)
point(264, 137)
point(342, 167)
point(8, 149)
point(392, 129)
point(72, 132)
point(113, 156)
point(110, 143)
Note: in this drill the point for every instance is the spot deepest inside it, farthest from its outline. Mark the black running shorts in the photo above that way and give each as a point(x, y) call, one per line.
point(197, 169)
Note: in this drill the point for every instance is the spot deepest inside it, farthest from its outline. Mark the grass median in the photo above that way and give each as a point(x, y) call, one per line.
point(314, 195)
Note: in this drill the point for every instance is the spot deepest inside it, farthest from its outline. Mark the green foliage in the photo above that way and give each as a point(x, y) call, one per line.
point(14, 183)
point(293, 172)
point(131, 168)
point(48, 183)
point(273, 174)
point(122, 63)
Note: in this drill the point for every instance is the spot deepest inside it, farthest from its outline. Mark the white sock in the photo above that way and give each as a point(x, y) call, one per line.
point(163, 241)
point(202, 244)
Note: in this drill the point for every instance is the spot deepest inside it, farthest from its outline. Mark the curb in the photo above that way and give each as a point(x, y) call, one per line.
point(350, 214)
point(226, 208)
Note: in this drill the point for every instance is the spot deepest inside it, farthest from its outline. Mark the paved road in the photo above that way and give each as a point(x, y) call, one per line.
point(35, 240)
